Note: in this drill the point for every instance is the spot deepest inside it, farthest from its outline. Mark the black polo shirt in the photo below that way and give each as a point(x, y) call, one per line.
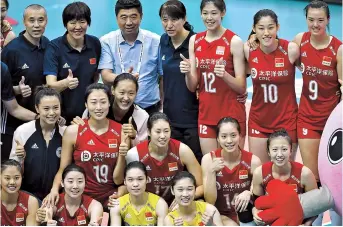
point(180, 105)
point(24, 59)
point(60, 57)
point(7, 93)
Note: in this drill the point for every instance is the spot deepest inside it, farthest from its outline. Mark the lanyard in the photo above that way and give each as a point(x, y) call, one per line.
point(121, 58)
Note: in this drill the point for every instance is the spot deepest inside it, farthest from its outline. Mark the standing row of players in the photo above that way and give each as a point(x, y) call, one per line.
point(216, 64)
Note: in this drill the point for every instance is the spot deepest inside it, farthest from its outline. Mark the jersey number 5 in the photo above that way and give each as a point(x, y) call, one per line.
point(209, 80)
point(101, 173)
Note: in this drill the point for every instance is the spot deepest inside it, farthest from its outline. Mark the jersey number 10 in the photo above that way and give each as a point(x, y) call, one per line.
point(270, 93)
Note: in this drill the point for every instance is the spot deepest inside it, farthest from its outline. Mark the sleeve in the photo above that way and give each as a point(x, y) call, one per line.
point(132, 155)
point(159, 61)
point(50, 64)
point(9, 57)
point(7, 93)
point(106, 58)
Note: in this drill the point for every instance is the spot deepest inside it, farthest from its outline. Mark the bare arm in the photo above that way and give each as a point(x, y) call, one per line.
point(307, 179)
point(209, 175)
point(95, 211)
point(297, 38)
point(32, 207)
point(161, 211)
point(293, 52)
point(339, 62)
point(108, 76)
point(246, 55)
point(187, 158)
point(237, 83)
point(257, 182)
point(18, 111)
point(10, 36)
point(192, 77)
point(118, 173)
point(167, 221)
point(59, 86)
point(115, 216)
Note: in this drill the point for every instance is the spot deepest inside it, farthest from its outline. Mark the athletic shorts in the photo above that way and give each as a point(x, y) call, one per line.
point(258, 134)
point(305, 133)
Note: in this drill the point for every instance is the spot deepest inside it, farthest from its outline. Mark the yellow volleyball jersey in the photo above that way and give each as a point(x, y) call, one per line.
point(146, 216)
point(200, 209)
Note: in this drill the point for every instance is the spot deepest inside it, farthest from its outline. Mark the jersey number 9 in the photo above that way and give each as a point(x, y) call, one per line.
point(313, 88)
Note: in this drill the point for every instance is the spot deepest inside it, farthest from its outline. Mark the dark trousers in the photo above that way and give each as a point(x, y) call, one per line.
point(6, 146)
point(153, 108)
point(190, 137)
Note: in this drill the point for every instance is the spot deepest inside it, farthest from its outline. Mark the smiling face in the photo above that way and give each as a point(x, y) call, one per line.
point(279, 151)
point(212, 16)
point(98, 104)
point(129, 21)
point(135, 181)
point(317, 21)
point(160, 133)
point(124, 94)
point(49, 109)
point(74, 184)
point(184, 191)
point(266, 30)
point(11, 179)
point(228, 137)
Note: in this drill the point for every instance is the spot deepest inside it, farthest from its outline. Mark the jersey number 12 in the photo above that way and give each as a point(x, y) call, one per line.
point(208, 81)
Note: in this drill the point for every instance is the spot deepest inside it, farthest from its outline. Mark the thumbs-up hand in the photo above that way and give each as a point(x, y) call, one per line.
point(72, 82)
point(207, 218)
point(41, 215)
point(178, 221)
point(136, 75)
point(219, 68)
point(129, 129)
point(25, 90)
point(19, 149)
point(217, 165)
point(185, 65)
point(124, 147)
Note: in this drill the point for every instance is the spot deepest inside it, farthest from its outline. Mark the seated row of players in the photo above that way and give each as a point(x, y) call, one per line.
point(101, 148)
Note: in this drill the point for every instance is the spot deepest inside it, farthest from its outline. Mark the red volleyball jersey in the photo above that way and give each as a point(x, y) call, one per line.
point(216, 98)
point(319, 69)
point(274, 103)
point(16, 217)
point(231, 182)
point(160, 173)
point(80, 217)
point(98, 154)
point(294, 180)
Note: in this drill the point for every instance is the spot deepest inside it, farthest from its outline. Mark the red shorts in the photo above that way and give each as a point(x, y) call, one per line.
point(305, 133)
point(258, 134)
point(209, 131)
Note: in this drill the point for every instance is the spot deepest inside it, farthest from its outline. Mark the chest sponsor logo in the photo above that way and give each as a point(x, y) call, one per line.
point(243, 174)
point(25, 66)
point(92, 61)
point(220, 50)
point(304, 54)
point(255, 60)
point(81, 220)
point(326, 61)
point(279, 62)
point(85, 156)
point(294, 186)
point(58, 152)
point(34, 146)
point(253, 73)
point(91, 142)
point(172, 166)
point(19, 217)
point(219, 174)
point(148, 216)
point(198, 48)
point(112, 143)
point(65, 66)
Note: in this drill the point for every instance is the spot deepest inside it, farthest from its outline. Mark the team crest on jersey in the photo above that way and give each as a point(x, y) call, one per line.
point(243, 174)
point(173, 166)
point(279, 62)
point(220, 50)
point(255, 60)
point(198, 48)
point(112, 143)
point(294, 186)
point(81, 220)
point(148, 216)
point(19, 217)
point(85, 156)
point(326, 61)
point(253, 73)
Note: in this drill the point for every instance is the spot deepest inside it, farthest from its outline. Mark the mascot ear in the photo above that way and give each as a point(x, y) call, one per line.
point(330, 156)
